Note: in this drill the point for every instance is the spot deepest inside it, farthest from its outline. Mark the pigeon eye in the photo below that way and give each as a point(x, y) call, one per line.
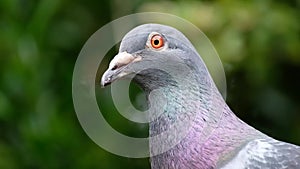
point(157, 41)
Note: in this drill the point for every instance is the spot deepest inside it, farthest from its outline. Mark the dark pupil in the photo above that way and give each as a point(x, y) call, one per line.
point(156, 42)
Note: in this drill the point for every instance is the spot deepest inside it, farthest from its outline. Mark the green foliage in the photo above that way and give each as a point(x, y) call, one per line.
point(258, 42)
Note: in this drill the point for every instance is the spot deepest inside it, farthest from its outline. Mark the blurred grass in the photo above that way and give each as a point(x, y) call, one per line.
point(258, 42)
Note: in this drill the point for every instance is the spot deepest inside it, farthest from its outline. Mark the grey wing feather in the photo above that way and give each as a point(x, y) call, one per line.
point(266, 153)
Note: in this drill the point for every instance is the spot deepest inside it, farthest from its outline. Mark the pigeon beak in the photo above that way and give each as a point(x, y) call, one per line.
point(116, 69)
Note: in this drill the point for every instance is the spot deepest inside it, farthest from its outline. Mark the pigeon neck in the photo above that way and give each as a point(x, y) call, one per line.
point(186, 94)
point(196, 102)
point(176, 98)
point(187, 119)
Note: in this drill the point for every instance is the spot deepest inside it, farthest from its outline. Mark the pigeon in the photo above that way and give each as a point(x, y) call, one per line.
point(167, 67)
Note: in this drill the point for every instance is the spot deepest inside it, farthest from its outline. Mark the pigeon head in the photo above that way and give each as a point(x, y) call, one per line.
point(149, 53)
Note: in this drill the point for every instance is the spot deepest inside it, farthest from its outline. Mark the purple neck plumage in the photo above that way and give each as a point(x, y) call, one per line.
point(209, 127)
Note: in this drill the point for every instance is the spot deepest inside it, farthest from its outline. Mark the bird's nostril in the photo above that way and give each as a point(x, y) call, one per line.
point(114, 67)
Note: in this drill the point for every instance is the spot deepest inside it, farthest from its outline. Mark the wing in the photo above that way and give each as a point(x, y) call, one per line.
point(266, 154)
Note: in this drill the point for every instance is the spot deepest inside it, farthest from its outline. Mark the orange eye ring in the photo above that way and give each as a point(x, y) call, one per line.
point(157, 41)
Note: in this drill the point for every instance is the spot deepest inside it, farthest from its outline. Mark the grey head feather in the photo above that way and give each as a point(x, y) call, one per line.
point(179, 51)
point(135, 40)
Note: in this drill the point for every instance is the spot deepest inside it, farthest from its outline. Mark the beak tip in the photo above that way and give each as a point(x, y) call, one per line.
point(106, 79)
point(104, 84)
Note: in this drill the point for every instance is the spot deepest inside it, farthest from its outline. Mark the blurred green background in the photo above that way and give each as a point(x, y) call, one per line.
point(258, 42)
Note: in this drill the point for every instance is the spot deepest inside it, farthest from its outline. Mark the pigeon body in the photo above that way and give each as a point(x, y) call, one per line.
point(215, 137)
